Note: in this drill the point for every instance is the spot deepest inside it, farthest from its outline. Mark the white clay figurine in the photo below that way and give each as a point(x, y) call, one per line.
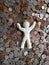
point(26, 31)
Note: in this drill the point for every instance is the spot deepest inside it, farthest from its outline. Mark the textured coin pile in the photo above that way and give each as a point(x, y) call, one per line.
point(17, 11)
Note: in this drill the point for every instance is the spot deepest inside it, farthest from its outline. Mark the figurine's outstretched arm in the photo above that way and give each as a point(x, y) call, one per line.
point(19, 26)
point(33, 25)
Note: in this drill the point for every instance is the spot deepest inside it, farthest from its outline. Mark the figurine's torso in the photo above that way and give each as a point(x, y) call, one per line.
point(27, 32)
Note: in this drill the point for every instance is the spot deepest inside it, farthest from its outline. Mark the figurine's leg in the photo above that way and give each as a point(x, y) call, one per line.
point(29, 43)
point(23, 43)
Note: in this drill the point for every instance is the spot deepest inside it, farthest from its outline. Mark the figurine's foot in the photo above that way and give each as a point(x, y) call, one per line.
point(22, 48)
point(30, 47)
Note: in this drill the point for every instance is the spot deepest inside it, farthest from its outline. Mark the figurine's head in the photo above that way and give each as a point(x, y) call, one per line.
point(26, 24)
